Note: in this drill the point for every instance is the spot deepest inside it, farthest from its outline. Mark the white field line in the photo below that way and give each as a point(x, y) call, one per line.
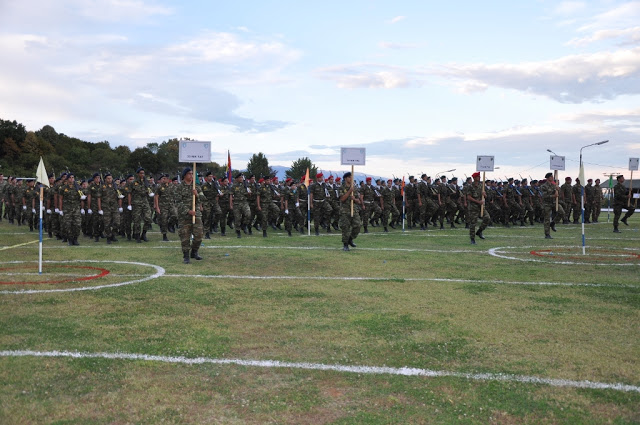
point(369, 370)
point(159, 272)
point(410, 279)
point(500, 253)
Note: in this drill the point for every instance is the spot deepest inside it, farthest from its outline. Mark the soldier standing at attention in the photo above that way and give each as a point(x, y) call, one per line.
point(474, 198)
point(621, 197)
point(566, 199)
point(162, 205)
point(239, 205)
point(210, 193)
point(186, 192)
point(588, 200)
point(597, 202)
point(350, 225)
point(70, 204)
point(576, 192)
point(388, 206)
point(549, 194)
point(111, 207)
point(320, 207)
point(95, 222)
point(137, 200)
point(266, 209)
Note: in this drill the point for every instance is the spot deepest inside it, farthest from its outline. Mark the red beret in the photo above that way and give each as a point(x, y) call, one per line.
point(476, 174)
point(338, 179)
point(261, 181)
point(368, 179)
point(319, 175)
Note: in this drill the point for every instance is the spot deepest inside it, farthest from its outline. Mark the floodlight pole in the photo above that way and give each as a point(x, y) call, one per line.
point(582, 192)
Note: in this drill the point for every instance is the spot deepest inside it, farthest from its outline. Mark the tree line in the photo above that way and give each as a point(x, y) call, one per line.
point(20, 152)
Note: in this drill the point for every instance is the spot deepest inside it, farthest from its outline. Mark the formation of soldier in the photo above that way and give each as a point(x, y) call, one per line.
point(104, 207)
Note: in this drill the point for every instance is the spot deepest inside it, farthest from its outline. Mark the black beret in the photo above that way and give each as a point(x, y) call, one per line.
point(546, 176)
point(129, 176)
point(347, 174)
point(107, 175)
point(238, 174)
point(185, 171)
point(95, 175)
point(139, 169)
point(207, 174)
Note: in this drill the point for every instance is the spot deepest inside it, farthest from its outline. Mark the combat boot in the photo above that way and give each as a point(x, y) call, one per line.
point(453, 226)
point(50, 235)
point(238, 234)
point(351, 244)
point(317, 231)
point(624, 220)
point(70, 241)
point(138, 238)
point(473, 241)
point(479, 234)
point(366, 230)
point(185, 255)
point(144, 236)
point(289, 232)
point(194, 254)
point(165, 238)
point(97, 239)
point(113, 239)
point(616, 230)
point(386, 230)
point(109, 240)
point(264, 233)
point(548, 237)
point(345, 247)
point(75, 241)
point(553, 226)
point(206, 236)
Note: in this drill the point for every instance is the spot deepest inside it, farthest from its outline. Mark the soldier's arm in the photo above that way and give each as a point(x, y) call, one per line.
point(156, 204)
point(310, 198)
point(258, 202)
point(230, 201)
point(129, 198)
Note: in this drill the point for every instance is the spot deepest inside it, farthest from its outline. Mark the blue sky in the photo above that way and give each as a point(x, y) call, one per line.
point(424, 86)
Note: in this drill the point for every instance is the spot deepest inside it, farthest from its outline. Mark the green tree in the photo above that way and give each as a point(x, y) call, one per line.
point(299, 169)
point(259, 165)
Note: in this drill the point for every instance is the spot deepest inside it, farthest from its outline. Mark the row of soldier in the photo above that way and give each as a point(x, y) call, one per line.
point(106, 207)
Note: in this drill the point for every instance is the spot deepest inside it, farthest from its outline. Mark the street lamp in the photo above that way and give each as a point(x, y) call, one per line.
point(550, 151)
point(444, 172)
point(582, 190)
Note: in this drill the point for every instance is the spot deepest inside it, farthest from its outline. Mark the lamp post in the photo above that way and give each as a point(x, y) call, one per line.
point(582, 190)
point(445, 172)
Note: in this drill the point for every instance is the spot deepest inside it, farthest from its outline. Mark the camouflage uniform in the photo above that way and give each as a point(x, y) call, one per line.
point(320, 208)
point(349, 225)
point(549, 201)
point(187, 225)
point(71, 204)
point(620, 200)
point(388, 201)
point(474, 191)
point(140, 207)
point(241, 210)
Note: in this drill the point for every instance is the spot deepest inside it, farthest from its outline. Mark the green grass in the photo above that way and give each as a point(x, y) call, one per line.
point(467, 321)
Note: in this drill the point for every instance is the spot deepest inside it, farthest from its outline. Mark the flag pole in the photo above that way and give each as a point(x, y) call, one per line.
point(630, 190)
point(194, 196)
point(40, 243)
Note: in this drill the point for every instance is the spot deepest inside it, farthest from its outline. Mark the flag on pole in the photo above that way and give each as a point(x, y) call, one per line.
point(306, 178)
point(41, 174)
point(581, 176)
point(402, 187)
point(611, 182)
point(229, 166)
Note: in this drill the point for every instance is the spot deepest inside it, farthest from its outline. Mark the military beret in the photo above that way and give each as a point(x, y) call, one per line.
point(368, 179)
point(251, 176)
point(139, 169)
point(589, 180)
point(347, 174)
point(546, 176)
point(238, 174)
point(510, 179)
point(83, 181)
point(129, 176)
point(95, 175)
point(411, 177)
point(516, 181)
point(476, 174)
point(567, 178)
point(288, 180)
point(454, 179)
point(208, 173)
point(338, 179)
point(620, 176)
point(443, 177)
point(261, 180)
point(107, 175)
point(185, 171)
point(63, 175)
point(319, 175)
point(50, 175)
point(175, 179)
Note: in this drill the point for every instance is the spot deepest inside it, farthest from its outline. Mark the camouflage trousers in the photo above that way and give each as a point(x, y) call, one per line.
point(141, 212)
point(321, 213)
point(350, 226)
point(163, 218)
point(372, 212)
point(72, 221)
point(270, 213)
point(241, 215)
point(549, 211)
point(389, 210)
point(617, 212)
point(111, 221)
point(427, 210)
point(188, 228)
point(294, 218)
point(474, 214)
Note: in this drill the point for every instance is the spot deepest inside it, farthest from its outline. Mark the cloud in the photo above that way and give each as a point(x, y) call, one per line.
point(191, 79)
point(368, 76)
point(570, 79)
point(397, 19)
point(118, 10)
point(623, 16)
point(628, 36)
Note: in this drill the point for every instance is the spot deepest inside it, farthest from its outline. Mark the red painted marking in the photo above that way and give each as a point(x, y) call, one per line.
point(103, 272)
point(565, 255)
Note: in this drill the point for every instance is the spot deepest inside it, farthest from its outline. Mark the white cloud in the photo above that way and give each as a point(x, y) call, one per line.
point(368, 76)
point(623, 16)
point(570, 79)
point(628, 36)
point(397, 19)
point(118, 10)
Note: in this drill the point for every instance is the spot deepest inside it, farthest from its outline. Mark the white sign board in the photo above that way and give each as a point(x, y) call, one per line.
point(484, 163)
point(556, 163)
point(194, 151)
point(353, 156)
point(633, 164)
point(636, 195)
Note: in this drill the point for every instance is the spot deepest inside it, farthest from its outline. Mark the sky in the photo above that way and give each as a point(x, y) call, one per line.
point(424, 86)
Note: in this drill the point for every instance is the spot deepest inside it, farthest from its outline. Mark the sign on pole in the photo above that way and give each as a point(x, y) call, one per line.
point(353, 156)
point(485, 163)
point(556, 162)
point(194, 151)
point(633, 164)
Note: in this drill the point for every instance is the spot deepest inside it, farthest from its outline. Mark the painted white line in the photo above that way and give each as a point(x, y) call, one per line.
point(369, 370)
point(159, 272)
point(20, 244)
point(500, 253)
point(401, 279)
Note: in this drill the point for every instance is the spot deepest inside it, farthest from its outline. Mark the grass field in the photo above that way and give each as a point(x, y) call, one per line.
point(516, 329)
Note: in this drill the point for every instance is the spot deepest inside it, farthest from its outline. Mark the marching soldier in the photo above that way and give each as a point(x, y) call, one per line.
point(186, 212)
point(138, 204)
point(349, 224)
point(621, 200)
point(388, 206)
point(320, 207)
point(588, 200)
point(550, 193)
point(597, 202)
point(475, 200)
point(71, 201)
point(111, 207)
point(239, 205)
